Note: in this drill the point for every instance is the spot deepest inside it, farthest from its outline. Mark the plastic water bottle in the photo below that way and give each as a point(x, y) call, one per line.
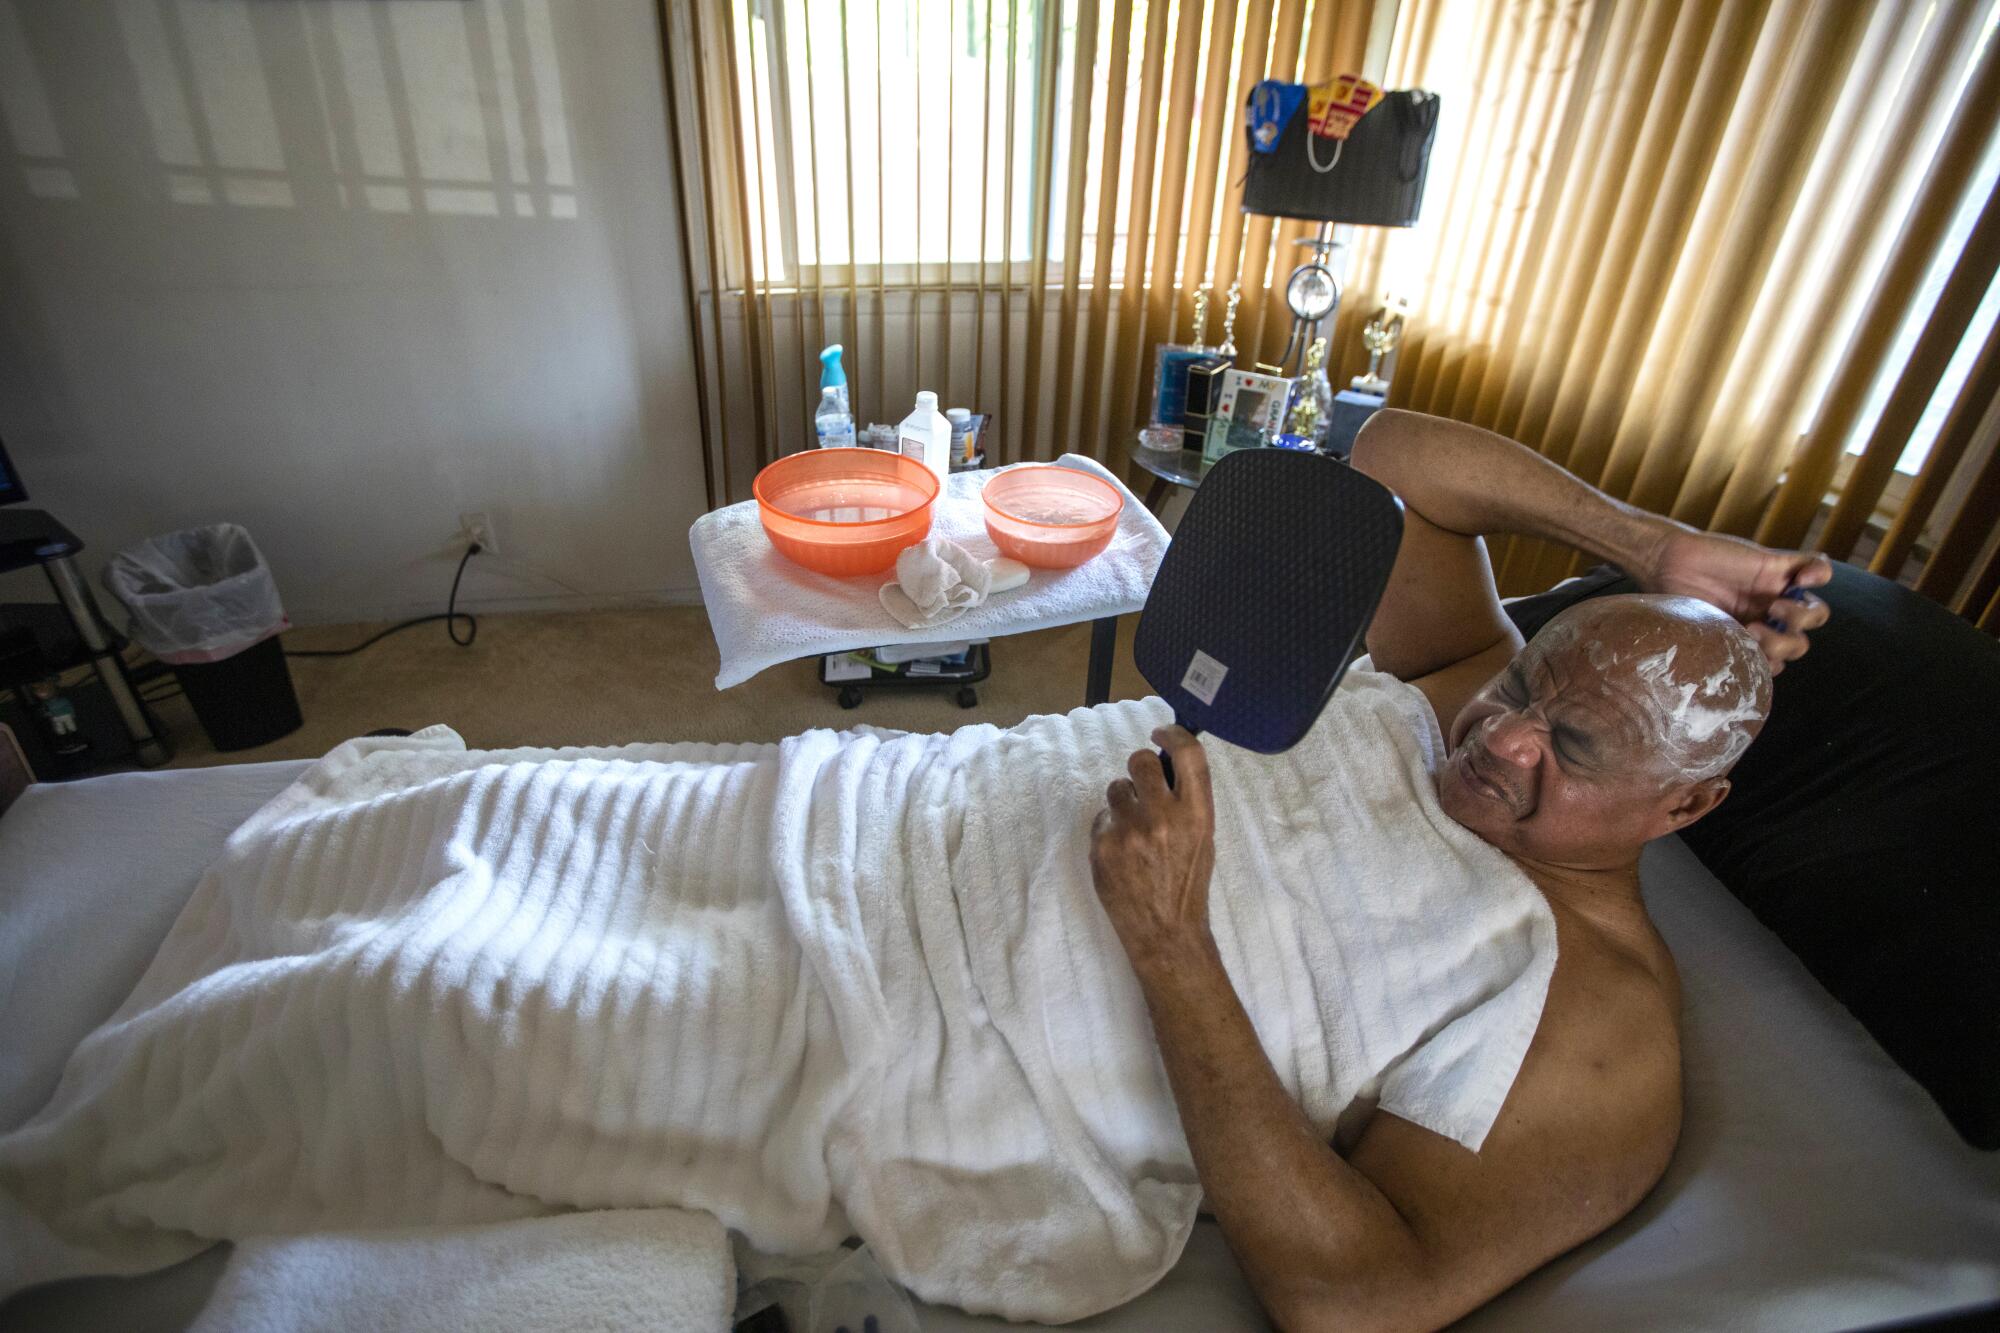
point(832, 422)
point(961, 434)
point(925, 435)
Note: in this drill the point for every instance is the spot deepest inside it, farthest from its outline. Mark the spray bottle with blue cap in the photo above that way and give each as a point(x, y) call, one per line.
point(833, 421)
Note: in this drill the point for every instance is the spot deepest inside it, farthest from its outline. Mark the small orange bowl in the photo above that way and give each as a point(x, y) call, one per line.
point(1051, 517)
point(845, 512)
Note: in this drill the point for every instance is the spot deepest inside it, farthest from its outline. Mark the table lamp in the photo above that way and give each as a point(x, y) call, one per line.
point(1375, 179)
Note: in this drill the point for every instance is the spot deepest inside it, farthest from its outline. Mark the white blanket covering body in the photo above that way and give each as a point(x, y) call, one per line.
point(853, 983)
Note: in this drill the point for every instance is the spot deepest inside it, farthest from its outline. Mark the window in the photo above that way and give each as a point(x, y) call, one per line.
point(859, 108)
point(862, 108)
point(1925, 434)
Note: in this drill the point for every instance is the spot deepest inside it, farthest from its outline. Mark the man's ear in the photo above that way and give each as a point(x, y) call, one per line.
point(1692, 802)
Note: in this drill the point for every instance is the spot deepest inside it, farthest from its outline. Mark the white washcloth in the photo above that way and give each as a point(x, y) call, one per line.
point(853, 983)
point(765, 609)
point(937, 581)
point(624, 1269)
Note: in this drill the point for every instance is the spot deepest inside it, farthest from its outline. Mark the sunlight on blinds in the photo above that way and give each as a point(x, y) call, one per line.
point(1732, 262)
point(1921, 308)
point(869, 106)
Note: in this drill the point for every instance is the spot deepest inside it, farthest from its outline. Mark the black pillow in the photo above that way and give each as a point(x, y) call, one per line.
point(1861, 827)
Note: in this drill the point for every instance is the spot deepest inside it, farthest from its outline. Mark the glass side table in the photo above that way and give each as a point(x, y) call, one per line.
point(1183, 467)
point(1168, 468)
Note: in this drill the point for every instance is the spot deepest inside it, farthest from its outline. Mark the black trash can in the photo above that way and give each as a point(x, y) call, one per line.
point(203, 601)
point(243, 701)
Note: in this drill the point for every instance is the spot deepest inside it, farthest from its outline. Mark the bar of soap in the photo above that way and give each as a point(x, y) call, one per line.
point(1007, 575)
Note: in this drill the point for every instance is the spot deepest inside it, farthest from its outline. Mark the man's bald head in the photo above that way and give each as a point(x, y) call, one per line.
point(1693, 670)
point(1615, 725)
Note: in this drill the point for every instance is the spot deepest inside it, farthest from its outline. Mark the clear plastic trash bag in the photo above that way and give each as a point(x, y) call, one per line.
point(838, 1291)
point(197, 595)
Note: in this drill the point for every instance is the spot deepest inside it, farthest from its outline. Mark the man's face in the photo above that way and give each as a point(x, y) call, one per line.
point(1570, 756)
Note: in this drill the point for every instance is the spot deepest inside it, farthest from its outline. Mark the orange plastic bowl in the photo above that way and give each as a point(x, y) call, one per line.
point(1051, 517)
point(845, 511)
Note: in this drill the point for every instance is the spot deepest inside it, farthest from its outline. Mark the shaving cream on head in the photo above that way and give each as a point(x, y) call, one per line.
point(1703, 721)
point(1703, 704)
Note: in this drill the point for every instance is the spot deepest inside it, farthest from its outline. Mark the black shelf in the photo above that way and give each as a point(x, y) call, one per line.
point(96, 717)
point(55, 638)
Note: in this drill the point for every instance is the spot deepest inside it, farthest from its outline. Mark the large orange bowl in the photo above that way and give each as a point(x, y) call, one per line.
point(1051, 517)
point(845, 511)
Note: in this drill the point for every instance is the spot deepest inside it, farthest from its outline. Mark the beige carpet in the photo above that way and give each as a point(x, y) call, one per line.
point(611, 677)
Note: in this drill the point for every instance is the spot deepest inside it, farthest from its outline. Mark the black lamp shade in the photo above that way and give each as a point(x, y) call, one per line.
point(1377, 179)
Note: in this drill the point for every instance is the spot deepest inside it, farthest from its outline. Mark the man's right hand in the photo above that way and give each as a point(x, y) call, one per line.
point(1152, 851)
point(1748, 581)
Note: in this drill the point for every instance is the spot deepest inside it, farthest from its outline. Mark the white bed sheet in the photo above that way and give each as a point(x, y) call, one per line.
point(1815, 1187)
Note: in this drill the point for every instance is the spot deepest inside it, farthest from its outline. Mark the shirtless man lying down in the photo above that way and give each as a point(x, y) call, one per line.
point(895, 985)
point(1617, 724)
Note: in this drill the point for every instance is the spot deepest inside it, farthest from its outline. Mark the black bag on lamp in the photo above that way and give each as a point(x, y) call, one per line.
point(1377, 174)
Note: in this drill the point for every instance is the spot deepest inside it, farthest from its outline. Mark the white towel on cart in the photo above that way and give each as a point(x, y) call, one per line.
point(852, 983)
point(765, 609)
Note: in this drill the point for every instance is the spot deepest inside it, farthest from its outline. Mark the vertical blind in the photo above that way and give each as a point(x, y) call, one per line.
point(1691, 283)
point(1728, 259)
point(1089, 159)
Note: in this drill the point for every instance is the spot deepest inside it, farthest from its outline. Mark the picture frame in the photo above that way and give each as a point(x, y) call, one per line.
point(1249, 411)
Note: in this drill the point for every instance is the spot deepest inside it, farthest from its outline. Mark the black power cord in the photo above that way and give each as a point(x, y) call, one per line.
point(151, 679)
point(451, 615)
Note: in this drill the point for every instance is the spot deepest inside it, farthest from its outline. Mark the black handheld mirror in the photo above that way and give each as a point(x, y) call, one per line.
point(1265, 593)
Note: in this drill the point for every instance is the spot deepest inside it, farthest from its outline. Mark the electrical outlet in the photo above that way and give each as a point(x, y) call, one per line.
point(478, 527)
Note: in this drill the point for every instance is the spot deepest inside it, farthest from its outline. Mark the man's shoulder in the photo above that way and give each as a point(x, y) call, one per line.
point(1587, 1128)
point(1602, 1080)
point(1614, 980)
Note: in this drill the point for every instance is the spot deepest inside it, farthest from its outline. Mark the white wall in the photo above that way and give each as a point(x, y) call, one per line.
point(340, 270)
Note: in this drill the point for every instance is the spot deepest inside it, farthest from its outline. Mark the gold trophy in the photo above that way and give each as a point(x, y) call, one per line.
point(1380, 335)
point(1172, 363)
point(1312, 400)
point(1227, 347)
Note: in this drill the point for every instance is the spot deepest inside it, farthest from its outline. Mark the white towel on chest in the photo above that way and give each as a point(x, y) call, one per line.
point(1382, 950)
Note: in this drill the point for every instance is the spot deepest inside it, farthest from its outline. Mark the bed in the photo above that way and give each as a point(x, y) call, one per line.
point(1816, 1185)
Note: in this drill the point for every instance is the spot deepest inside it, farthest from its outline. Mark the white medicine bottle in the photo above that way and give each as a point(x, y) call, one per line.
point(926, 436)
